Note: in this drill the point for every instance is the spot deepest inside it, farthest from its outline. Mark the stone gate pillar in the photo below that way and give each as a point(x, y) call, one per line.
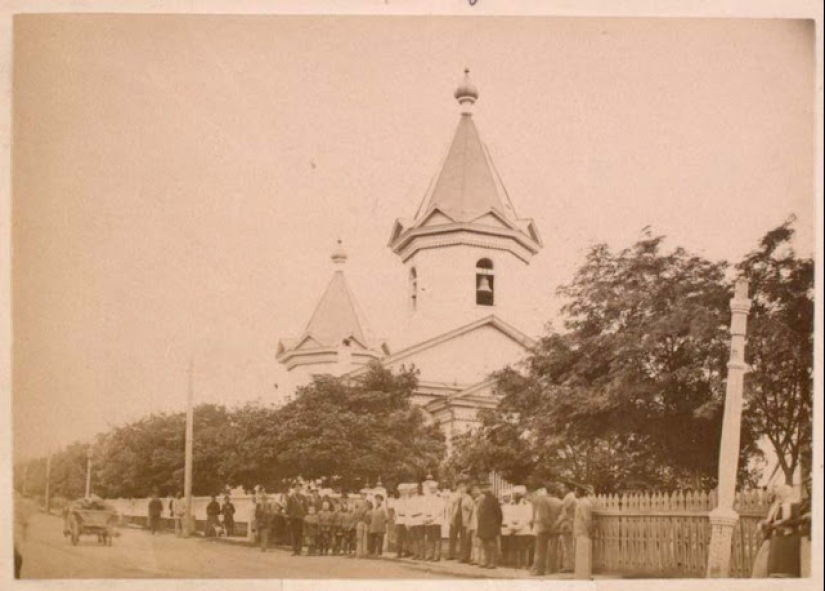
point(723, 518)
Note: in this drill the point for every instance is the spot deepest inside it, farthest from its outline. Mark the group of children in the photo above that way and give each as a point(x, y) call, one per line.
point(331, 530)
point(341, 527)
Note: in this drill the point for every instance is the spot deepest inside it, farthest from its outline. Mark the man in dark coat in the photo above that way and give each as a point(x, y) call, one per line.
point(547, 518)
point(155, 510)
point(228, 512)
point(296, 510)
point(489, 526)
point(213, 510)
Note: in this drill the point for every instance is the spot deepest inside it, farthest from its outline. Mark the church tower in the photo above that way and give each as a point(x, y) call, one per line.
point(466, 249)
point(337, 338)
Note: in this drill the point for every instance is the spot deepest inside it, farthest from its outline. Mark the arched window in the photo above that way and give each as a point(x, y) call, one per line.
point(485, 283)
point(413, 288)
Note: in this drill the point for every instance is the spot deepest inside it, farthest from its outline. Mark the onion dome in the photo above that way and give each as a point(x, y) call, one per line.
point(466, 91)
point(339, 255)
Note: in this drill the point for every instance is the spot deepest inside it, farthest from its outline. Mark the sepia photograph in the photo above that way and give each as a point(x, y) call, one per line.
point(493, 298)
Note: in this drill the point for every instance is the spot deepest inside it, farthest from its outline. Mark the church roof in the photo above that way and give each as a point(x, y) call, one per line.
point(466, 197)
point(338, 316)
point(467, 184)
point(337, 320)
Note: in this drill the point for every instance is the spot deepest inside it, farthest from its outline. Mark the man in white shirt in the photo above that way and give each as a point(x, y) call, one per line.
point(433, 514)
point(415, 520)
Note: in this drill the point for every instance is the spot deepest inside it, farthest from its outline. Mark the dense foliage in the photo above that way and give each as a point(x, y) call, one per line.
point(631, 394)
point(350, 433)
point(780, 348)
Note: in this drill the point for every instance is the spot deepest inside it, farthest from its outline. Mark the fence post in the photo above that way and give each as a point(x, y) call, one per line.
point(723, 518)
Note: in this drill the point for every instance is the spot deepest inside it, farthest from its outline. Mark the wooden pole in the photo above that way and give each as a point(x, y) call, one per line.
point(723, 518)
point(187, 478)
point(88, 472)
point(48, 478)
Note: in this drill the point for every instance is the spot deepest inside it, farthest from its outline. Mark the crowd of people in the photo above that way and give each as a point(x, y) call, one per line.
point(423, 522)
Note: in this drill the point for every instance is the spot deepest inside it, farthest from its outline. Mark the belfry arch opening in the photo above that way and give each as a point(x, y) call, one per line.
point(485, 283)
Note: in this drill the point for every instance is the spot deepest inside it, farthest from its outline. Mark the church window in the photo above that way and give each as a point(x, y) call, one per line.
point(413, 287)
point(485, 283)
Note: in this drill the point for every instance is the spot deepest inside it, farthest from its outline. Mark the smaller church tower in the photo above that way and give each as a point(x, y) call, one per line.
point(337, 338)
point(466, 250)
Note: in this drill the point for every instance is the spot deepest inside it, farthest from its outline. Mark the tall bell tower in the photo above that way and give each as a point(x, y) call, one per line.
point(466, 249)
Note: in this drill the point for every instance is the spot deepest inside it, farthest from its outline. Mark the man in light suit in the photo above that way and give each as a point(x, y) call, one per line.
point(547, 510)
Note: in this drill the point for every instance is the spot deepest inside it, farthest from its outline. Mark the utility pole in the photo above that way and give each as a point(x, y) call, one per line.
point(187, 478)
point(48, 481)
point(723, 518)
point(88, 472)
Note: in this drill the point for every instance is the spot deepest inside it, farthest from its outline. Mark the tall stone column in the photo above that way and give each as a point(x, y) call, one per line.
point(723, 518)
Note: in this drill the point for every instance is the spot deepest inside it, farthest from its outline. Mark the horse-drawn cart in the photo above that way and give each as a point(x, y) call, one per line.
point(90, 516)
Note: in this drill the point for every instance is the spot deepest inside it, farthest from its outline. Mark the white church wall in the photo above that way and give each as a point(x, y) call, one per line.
point(446, 289)
point(466, 359)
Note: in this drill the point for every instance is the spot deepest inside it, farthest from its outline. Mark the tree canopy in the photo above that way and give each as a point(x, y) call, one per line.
point(349, 433)
point(630, 395)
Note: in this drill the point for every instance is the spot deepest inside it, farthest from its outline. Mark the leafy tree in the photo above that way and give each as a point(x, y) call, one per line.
point(779, 387)
point(353, 433)
point(630, 395)
point(148, 454)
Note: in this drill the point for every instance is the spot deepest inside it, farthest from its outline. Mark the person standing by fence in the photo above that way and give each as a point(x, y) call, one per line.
point(783, 556)
point(377, 527)
point(155, 511)
point(228, 511)
point(546, 512)
point(178, 513)
point(568, 515)
point(213, 511)
point(263, 518)
point(295, 512)
point(583, 534)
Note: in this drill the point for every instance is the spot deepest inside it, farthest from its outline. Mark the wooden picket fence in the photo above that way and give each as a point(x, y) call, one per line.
point(668, 534)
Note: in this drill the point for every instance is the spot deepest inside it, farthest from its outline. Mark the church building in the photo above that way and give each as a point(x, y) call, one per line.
point(465, 254)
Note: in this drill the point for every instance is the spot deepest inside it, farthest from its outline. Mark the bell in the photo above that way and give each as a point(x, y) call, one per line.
point(485, 285)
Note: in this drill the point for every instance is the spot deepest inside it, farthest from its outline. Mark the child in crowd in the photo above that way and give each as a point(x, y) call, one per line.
point(324, 527)
point(348, 530)
point(311, 531)
point(335, 529)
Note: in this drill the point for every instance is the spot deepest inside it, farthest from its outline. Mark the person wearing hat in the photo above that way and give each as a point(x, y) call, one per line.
point(296, 510)
point(458, 515)
point(228, 512)
point(583, 533)
point(568, 514)
point(416, 522)
point(547, 509)
point(433, 512)
point(402, 537)
point(489, 526)
point(516, 528)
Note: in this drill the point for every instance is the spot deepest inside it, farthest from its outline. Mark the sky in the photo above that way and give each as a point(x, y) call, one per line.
point(179, 182)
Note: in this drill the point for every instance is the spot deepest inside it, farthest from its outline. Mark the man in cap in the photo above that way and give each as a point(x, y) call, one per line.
point(583, 533)
point(517, 516)
point(547, 509)
point(460, 511)
point(433, 514)
point(402, 537)
point(416, 522)
point(296, 510)
point(566, 527)
point(489, 525)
